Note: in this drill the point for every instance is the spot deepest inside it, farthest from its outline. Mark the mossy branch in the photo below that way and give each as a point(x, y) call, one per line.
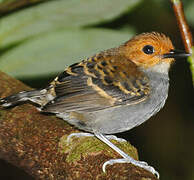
point(36, 143)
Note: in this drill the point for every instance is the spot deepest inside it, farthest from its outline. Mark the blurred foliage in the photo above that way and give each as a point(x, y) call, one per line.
point(190, 13)
point(50, 53)
point(7, 6)
point(10, 5)
point(191, 61)
point(39, 38)
point(25, 31)
point(58, 14)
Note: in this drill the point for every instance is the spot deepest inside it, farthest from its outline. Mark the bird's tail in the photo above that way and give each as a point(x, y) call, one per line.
point(40, 97)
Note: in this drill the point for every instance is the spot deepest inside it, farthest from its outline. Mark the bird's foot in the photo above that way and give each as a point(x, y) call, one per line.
point(126, 159)
point(141, 164)
point(112, 137)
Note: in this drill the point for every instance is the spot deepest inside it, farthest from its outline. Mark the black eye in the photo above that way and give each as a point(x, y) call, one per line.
point(148, 49)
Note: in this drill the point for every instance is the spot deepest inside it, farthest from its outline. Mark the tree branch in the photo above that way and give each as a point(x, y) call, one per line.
point(185, 31)
point(36, 143)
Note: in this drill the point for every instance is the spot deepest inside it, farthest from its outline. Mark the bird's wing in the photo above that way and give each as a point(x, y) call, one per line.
point(99, 82)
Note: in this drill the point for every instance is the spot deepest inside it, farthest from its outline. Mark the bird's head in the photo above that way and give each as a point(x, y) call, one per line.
point(150, 49)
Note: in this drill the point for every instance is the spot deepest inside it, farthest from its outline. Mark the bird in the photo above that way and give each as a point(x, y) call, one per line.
point(110, 92)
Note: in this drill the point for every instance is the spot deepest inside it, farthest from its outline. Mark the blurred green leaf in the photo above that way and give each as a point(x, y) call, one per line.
point(189, 12)
point(10, 5)
point(191, 61)
point(50, 53)
point(59, 14)
point(4, 1)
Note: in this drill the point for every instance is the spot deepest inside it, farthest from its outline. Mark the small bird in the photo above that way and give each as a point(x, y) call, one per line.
point(110, 92)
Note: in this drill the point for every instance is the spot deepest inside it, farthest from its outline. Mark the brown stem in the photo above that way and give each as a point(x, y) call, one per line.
point(36, 143)
point(185, 32)
point(182, 23)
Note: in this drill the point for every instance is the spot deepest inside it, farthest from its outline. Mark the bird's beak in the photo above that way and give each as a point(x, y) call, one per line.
point(176, 54)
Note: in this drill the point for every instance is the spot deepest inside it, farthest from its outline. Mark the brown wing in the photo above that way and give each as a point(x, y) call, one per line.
point(102, 81)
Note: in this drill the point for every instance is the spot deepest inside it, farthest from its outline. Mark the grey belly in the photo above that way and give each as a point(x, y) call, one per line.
point(122, 118)
point(125, 117)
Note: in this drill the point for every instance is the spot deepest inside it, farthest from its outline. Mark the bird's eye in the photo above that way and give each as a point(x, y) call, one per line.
point(148, 49)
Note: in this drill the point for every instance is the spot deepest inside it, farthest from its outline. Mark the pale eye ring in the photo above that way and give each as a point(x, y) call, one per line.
point(148, 49)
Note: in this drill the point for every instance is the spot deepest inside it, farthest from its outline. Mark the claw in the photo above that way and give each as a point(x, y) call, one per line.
point(141, 164)
point(111, 162)
point(112, 137)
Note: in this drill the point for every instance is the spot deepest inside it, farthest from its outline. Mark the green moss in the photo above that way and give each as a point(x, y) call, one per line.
point(2, 114)
point(86, 145)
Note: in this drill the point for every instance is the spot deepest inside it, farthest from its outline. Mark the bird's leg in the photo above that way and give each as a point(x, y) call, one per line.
point(127, 158)
point(83, 134)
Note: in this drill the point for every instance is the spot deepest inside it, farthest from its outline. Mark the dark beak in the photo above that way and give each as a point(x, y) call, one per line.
point(176, 54)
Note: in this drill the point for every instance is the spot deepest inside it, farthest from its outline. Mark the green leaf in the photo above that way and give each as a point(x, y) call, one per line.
point(10, 5)
point(59, 14)
point(50, 53)
point(5, 1)
point(189, 13)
